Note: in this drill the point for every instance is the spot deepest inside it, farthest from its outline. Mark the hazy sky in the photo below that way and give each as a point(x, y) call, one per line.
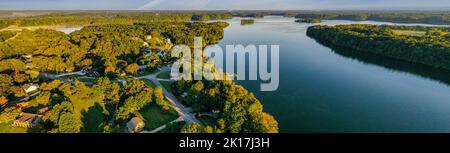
point(220, 4)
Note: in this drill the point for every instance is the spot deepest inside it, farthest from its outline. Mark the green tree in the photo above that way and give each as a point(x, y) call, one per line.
point(191, 128)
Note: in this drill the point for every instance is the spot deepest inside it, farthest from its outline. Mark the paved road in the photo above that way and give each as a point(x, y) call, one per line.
point(184, 112)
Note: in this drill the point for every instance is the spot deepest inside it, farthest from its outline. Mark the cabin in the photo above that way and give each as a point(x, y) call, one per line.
point(30, 87)
point(27, 120)
point(135, 125)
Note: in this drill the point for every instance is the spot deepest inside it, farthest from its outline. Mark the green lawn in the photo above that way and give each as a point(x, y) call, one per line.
point(149, 83)
point(147, 72)
point(93, 119)
point(90, 112)
point(163, 75)
point(173, 127)
point(410, 33)
point(87, 79)
point(167, 85)
point(7, 128)
point(154, 116)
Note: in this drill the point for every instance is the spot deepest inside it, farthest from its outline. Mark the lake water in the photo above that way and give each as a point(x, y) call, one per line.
point(337, 90)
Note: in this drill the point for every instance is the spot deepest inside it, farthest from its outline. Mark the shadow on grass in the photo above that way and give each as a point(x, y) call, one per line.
point(93, 119)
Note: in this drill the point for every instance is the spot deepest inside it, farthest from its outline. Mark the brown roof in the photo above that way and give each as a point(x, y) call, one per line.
point(26, 117)
point(134, 122)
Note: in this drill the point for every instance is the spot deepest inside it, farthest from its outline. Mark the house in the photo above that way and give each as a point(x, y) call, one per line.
point(148, 37)
point(23, 104)
point(135, 125)
point(30, 87)
point(28, 56)
point(168, 41)
point(216, 110)
point(27, 120)
point(145, 44)
point(43, 110)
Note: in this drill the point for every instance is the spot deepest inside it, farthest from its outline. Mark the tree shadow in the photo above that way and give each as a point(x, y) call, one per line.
point(93, 119)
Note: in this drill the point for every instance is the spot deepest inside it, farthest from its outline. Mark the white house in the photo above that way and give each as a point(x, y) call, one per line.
point(30, 88)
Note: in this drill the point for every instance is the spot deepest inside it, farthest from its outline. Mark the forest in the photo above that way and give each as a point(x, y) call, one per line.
point(111, 51)
point(395, 17)
point(425, 45)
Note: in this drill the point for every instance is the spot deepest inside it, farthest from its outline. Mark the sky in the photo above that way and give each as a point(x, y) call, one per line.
point(223, 4)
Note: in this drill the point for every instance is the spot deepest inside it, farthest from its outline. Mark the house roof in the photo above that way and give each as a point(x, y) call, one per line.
point(135, 121)
point(27, 117)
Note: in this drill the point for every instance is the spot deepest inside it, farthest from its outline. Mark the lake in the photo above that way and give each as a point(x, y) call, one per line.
point(338, 90)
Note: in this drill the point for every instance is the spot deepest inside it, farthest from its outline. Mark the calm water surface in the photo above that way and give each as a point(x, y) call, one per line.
point(336, 90)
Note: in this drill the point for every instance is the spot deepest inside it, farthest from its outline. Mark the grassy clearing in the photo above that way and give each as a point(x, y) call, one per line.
point(90, 112)
point(167, 85)
point(149, 83)
point(87, 79)
point(93, 119)
point(148, 72)
point(154, 116)
point(409, 33)
point(163, 75)
point(7, 128)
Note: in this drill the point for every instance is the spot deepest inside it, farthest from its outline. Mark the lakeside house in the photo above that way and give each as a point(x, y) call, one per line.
point(135, 125)
point(27, 120)
point(30, 87)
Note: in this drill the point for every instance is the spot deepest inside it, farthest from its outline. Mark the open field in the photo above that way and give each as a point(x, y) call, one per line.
point(410, 33)
point(154, 116)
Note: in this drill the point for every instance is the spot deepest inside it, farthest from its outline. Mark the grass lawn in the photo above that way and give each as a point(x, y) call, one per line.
point(7, 128)
point(93, 119)
point(149, 83)
point(154, 116)
point(87, 79)
point(167, 85)
point(163, 75)
point(90, 112)
point(148, 72)
point(208, 120)
point(410, 33)
point(173, 127)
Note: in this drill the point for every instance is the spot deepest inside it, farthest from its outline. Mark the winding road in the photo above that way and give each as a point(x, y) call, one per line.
point(185, 112)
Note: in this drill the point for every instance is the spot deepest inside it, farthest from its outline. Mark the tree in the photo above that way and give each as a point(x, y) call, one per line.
point(20, 78)
point(68, 123)
point(191, 128)
point(9, 114)
point(132, 68)
point(3, 100)
point(159, 96)
point(208, 129)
